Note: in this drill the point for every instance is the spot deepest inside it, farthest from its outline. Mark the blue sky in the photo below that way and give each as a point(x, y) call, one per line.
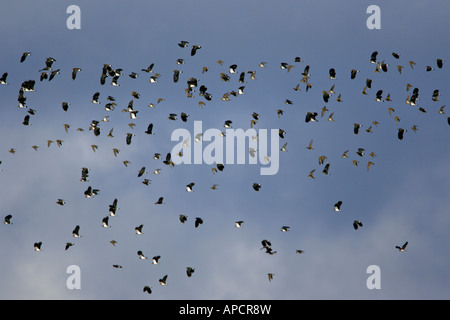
point(403, 197)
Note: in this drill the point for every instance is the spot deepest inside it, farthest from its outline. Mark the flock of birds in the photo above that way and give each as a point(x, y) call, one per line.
point(192, 88)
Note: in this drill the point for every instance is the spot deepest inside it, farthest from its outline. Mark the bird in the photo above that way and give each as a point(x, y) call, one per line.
point(74, 72)
point(89, 193)
point(198, 221)
point(65, 106)
point(113, 207)
point(155, 259)
point(24, 56)
point(332, 74)
point(190, 186)
point(176, 75)
point(7, 219)
point(337, 206)
point(311, 116)
point(68, 245)
point(326, 169)
point(163, 280)
point(138, 229)
point(403, 247)
point(182, 218)
point(360, 152)
point(310, 145)
point(439, 63)
point(373, 57)
point(285, 228)
point(141, 172)
point(37, 246)
point(256, 186)
point(76, 232)
point(53, 74)
point(26, 120)
point(400, 133)
point(105, 222)
point(357, 224)
point(270, 276)
point(61, 202)
point(160, 200)
point(298, 251)
point(117, 266)
point(3, 78)
point(189, 271)
point(141, 255)
point(194, 49)
point(238, 224)
point(353, 73)
point(147, 289)
point(356, 127)
point(128, 138)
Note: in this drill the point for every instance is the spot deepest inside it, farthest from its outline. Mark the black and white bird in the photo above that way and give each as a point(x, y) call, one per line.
point(182, 218)
point(155, 259)
point(38, 246)
point(311, 116)
point(373, 57)
point(7, 219)
point(84, 174)
point(113, 208)
point(256, 186)
point(3, 78)
point(337, 206)
point(141, 255)
point(89, 193)
point(138, 229)
point(190, 186)
point(238, 224)
point(105, 222)
point(357, 224)
point(68, 245)
point(76, 232)
point(403, 247)
point(183, 44)
point(163, 280)
point(332, 73)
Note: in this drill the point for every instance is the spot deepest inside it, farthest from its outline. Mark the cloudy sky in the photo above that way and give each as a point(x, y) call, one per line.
point(404, 196)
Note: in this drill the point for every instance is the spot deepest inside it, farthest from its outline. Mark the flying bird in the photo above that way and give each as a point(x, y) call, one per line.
point(189, 271)
point(403, 247)
point(357, 224)
point(198, 221)
point(337, 206)
point(76, 232)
